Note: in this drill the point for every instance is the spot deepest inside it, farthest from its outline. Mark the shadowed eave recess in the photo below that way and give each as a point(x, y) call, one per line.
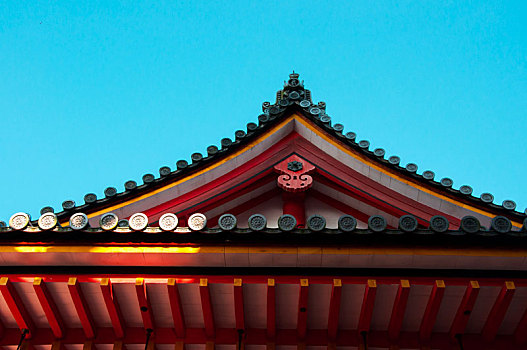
point(293, 100)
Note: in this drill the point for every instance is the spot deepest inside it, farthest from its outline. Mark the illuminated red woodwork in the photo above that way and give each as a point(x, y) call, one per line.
point(175, 308)
point(399, 309)
point(366, 311)
point(302, 309)
point(271, 309)
point(465, 309)
point(334, 310)
point(113, 308)
point(497, 313)
point(81, 306)
point(49, 307)
point(432, 308)
point(15, 305)
point(206, 305)
point(270, 334)
point(144, 304)
point(238, 304)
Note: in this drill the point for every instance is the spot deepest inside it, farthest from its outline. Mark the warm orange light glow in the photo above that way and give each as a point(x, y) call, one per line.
point(100, 249)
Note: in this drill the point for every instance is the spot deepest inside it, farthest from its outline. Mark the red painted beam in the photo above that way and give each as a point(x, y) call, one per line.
point(520, 334)
point(112, 307)
point(339, 205)
point(82, 307)
point(465, 309)
point(315, 337)
point(144, 304)
point(366, 311)
point(366, 198)
point(399, 309)
point(334, 310)
point(175, 307)
point(432, 308)
point(271, 309)
point(293, 204)
point(498, 311)
point(263, 279)
point(50, 308)
point(243, 207)
point(15, 305)
point(302, 308)
point(226, 198)
point(238, 304)
point(206, 306)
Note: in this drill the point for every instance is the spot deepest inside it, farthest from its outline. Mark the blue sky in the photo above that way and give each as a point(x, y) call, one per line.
point(93, 94)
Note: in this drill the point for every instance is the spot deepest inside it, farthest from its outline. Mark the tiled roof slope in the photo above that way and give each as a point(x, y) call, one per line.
point(294, 97)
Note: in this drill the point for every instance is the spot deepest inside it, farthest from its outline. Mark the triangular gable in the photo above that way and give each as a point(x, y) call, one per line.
point(347, 176)
point(343, 179)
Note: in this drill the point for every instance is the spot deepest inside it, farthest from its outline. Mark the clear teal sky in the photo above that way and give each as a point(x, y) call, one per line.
point(96, 93)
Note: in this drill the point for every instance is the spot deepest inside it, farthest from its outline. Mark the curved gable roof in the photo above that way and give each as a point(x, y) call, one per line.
point(292, 100)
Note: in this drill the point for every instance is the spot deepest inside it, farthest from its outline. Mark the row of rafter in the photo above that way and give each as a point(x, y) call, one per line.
point(331, 336)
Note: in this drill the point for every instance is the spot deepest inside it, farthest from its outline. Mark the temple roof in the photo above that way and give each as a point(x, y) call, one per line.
point(292, 100)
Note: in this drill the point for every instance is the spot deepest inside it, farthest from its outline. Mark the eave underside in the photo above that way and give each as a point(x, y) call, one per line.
point(271, 310)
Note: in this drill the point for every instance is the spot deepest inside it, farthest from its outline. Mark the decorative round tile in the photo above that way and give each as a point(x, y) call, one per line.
point(168, 222)
point(138, 221)
point(19, 221)
point(108, 221)
point(47, 221)
point(79, 221)
point(197, 222)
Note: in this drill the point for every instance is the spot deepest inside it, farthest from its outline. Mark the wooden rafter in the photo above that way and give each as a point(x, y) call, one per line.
point(399, 309)
point(15, 305)
point(520, 334)
point(464, 310)
point(497, 313)
point(302, 308)
point(50, 308)
point(206, 307)
point(144, 304)
point(112, 307)
point(175, 307)
point(432, 308)
point(81, 307)
point(238, 304)
point(271, 309)
point(334, 310)
point(366, 311)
